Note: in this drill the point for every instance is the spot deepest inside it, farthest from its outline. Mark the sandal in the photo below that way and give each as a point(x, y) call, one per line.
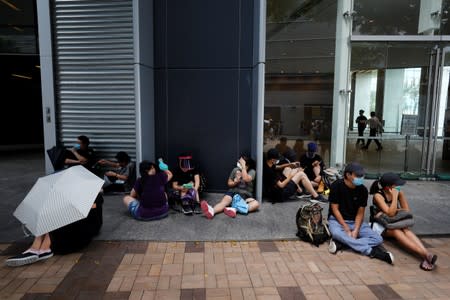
point(431, 258)
point(426, 266)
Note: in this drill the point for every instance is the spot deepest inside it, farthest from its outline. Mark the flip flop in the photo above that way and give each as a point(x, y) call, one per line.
point(426, 266)
point(433, 259)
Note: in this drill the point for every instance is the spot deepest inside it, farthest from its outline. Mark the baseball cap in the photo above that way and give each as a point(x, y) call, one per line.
point(356, 168)
point(273, 154)
point(312, 147)
point(390, 178)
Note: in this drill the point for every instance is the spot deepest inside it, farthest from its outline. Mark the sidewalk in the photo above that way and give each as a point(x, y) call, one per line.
point(250, 257)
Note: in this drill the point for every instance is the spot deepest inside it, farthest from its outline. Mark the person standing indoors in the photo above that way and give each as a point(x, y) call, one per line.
point(388, 198)
point(375, 127)
point(348, 200)
point(361, 120)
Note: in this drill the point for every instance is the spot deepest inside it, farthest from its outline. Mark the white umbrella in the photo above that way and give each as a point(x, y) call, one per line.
point(59, 199)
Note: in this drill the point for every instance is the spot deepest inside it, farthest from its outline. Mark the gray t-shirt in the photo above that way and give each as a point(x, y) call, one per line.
point(243, 188)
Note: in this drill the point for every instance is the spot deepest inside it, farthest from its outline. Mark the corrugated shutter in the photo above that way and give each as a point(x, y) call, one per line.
point(94, 73)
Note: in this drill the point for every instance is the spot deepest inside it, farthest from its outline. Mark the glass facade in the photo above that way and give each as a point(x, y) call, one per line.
point(20, 74)
point(300, 46)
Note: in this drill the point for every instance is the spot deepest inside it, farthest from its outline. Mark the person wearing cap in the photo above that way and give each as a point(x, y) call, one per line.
point(239, 196)
point(121, 175)
point(282, 181)
point(348, 200)
point(312, 164)
point(361, 120)
point(389, 198)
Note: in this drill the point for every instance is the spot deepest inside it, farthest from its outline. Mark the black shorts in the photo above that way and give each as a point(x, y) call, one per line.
point(289, 190)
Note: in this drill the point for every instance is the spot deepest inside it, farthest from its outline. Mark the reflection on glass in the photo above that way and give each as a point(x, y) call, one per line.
point(300, 45)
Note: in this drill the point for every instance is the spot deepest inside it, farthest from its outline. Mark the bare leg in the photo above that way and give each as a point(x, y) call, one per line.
point(406, 242)
point(40, 243)
point(127, 200)
point(252, 204)
point(226, 201)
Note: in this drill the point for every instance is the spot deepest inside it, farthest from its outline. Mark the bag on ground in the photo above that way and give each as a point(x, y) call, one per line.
point(312, 228)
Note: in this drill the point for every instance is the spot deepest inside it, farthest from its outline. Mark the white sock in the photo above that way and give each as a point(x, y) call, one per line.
point(34, 251)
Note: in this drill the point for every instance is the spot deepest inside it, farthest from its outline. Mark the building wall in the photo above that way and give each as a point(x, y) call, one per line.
point(204, 73)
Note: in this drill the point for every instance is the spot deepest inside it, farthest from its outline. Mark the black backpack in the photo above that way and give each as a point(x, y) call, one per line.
point(312, 228)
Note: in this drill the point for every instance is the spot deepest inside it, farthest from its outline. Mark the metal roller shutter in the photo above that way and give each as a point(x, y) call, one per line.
point(94, 73)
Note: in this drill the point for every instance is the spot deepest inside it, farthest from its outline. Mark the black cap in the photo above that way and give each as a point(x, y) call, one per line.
point(361, 111)
point(273, 154)
point(356, 168)
point(390, 178)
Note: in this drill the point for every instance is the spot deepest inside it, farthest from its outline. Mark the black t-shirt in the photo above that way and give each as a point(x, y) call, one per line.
point(306, 163)
point(88, 154)
point(184, 177)
point(349, 200)
point(270, 178)
point(361, 121)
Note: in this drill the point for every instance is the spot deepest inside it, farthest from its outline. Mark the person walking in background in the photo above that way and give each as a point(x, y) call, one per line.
point(375, 127)
point(388, 198)
point(348, 200)
point(361, 120)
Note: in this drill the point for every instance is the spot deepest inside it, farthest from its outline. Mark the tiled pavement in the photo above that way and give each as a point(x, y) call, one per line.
point(288, 269)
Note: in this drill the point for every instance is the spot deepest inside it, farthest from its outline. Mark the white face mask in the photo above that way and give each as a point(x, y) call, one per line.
point(277, 161)
point(238, 164)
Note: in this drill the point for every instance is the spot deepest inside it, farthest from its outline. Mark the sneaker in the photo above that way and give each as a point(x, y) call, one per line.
point(319, 198)
point(335, 246)
point(230, 211)
point(207, 209)
point(186, 209)
point(45, 255)
point(176, 207)
point(303, 196)
point(197, 210)
point(380, 253)
point(22, 259)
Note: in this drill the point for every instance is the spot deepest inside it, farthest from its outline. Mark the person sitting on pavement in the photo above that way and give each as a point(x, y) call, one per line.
point(312, 164)
point(348, 200)
point(186, 185)
point(148, 199)
point(67, 239)
point(80, 154)
point(388, 198)
point(239, 197)
point(122, 176)
point(282, 181)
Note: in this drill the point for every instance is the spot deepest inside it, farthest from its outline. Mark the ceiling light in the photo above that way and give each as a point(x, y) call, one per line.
point(12, 6)
point(21, 76)
point(37, 66)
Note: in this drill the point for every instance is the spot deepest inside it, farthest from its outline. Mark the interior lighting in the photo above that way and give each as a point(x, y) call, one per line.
point(12, 6)
point(21, 76)
point(37, 66)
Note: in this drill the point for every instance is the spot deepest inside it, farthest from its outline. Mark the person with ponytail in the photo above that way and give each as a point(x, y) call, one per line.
point(148, 200)
point(388, 198)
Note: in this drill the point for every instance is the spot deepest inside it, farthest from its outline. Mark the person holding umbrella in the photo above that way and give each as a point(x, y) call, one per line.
point(67, 239)
point(63, 211)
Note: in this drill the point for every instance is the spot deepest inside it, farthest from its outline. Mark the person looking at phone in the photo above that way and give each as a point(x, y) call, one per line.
point(312, 164)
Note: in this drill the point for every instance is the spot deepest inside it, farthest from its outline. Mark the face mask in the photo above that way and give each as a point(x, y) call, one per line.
point(398, 188)
point(77, 146)
point(239, 165)
point(277, 161)
point(358, 181)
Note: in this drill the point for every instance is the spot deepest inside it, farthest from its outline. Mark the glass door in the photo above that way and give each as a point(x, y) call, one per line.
point(405, 85)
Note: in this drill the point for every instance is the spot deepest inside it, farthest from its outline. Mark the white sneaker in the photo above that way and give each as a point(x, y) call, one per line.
point(332, 248)
point(207, 209)
point(230, 211)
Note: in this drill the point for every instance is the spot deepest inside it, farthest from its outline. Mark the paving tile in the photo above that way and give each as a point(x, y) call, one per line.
point(116, 296)
point(197, 294)
point(291, 293)
point(267, 246)
point(194, 247)
point(35, 296)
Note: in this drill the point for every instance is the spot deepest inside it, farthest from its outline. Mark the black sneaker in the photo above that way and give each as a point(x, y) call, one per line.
point(197, 209)
point(22, 259)
point(176, 207)
point(186, 209)
point(319, 198)
point(45, 255)
point(380, 253)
